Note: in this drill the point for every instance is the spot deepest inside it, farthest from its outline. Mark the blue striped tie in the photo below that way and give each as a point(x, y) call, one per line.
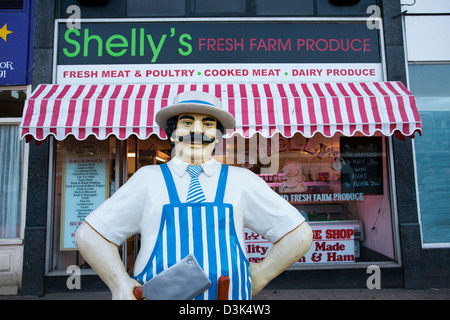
point(195, 192)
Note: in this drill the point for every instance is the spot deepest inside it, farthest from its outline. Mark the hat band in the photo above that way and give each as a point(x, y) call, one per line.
point(197, 101)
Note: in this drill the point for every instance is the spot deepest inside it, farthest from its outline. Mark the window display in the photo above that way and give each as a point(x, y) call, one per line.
point(85, 173)
point(339, 184)
point(84, 178)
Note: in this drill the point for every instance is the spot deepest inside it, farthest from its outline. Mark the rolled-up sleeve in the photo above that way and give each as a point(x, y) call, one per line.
point(119, 217)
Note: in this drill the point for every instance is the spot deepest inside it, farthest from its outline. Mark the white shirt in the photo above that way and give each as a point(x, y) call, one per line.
point(137, 206)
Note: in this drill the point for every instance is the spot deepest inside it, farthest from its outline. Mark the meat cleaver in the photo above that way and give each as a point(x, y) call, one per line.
point(183, 281)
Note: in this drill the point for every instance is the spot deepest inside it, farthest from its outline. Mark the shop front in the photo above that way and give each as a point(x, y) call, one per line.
point(315, 119)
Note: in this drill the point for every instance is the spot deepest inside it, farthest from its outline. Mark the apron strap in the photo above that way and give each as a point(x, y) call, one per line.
point(170, 184)
point(221, 185)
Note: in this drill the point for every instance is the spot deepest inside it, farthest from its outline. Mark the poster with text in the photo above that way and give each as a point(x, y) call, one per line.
point(332, 243)
point(85, 187)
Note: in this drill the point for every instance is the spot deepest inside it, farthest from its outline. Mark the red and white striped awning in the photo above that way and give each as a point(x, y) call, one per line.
point(308, 108)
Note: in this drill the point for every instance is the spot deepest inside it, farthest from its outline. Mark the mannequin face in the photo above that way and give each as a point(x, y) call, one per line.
point(195, 137)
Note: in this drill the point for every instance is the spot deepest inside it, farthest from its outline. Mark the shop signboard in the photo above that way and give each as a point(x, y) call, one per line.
point(85, 186)
point(332, 243)
point(217, 51)
point(16, 34)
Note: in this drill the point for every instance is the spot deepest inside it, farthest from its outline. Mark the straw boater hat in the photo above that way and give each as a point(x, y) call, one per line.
point(195, 102)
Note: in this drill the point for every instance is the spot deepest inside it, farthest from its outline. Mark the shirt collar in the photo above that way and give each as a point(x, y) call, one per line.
point(180, 167)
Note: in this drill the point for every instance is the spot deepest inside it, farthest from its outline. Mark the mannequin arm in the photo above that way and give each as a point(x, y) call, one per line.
point(283, 254)
point(104, 258)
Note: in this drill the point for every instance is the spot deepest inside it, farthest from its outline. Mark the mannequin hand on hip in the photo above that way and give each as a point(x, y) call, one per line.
point(103, 256)
point(283, 254)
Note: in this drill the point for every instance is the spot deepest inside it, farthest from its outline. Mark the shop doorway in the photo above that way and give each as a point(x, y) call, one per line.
point(140, 153)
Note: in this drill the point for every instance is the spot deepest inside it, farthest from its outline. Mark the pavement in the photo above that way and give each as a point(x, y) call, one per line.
point(307, 294)
point(354, 294)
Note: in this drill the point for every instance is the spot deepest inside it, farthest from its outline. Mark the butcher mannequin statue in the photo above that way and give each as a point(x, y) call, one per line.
point(193, 205)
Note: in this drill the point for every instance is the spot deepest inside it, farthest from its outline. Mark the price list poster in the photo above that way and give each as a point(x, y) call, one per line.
point(85, 186)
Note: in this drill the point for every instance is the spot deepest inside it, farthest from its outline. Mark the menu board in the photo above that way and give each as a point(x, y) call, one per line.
point(85, 187)
point(362, 171)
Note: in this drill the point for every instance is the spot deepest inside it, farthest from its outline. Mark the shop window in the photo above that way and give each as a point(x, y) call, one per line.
point(93, 9)
point(429, 83)
point(216, 7)
point(86, 173)
point(11, 162)
point(341, 8)
point(339, 184)
point(153, 8)
point(11, 165)
point(284, 7)
point(11, 103)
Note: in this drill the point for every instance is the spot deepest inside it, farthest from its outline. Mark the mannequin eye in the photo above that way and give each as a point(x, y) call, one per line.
point(209, 122)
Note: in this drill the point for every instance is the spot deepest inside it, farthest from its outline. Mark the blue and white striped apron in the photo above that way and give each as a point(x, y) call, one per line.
point(206, 230)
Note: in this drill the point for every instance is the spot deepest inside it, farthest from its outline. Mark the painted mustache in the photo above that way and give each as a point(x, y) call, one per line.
point(195, 137)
